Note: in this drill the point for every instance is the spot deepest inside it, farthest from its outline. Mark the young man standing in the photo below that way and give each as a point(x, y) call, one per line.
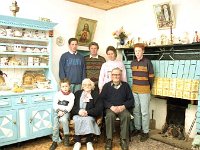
point(143, 76)
point(93, 63)
point(72, 66)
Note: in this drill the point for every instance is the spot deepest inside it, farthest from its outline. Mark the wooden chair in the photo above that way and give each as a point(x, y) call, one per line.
point(72, 132)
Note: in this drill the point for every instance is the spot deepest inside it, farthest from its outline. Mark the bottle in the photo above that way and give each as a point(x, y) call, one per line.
point(196, 37)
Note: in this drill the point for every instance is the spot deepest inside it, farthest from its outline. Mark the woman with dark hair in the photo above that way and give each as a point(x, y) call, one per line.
point(105, 72)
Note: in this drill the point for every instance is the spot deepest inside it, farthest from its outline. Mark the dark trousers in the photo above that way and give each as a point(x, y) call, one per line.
point(124, 123)
point(78, 138)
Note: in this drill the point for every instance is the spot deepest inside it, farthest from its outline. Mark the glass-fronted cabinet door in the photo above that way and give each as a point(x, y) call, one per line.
point(8, 126)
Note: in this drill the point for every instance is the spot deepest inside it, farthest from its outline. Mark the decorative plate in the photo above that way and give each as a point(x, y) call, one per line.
point(28, 79)
point(60, 41)
point(40, 78)
point(2, 80)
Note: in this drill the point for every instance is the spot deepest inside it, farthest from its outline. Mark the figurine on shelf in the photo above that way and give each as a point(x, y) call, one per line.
point(185, 38)
point(130, 43)
point(196, 37)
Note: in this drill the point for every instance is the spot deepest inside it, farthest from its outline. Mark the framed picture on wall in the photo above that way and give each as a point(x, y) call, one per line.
point(85, 31)
point(164, 15)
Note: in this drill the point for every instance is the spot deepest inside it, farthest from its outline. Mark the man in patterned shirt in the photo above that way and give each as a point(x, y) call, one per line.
point(143, 76)
point(93, 63)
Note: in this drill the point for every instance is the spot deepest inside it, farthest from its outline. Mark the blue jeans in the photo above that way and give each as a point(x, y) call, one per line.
point(64, 120)
point(141, 111)
point(75, 87)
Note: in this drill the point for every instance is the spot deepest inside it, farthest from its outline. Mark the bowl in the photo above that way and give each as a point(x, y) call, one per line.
point(42, 85)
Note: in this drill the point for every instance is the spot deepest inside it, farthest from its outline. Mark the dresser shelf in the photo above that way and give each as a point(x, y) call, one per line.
point(25, 115)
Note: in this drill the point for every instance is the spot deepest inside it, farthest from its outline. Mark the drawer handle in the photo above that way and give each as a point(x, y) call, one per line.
point(14, 122)
point(21, 100)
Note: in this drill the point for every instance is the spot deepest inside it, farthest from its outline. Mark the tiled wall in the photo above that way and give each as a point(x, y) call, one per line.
point(174, 69)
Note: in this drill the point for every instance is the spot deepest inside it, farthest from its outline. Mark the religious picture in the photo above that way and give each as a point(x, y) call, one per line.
point(85, 31)
point(164, 16)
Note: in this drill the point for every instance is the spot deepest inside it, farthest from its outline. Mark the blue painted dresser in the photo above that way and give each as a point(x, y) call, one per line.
point(28, 114)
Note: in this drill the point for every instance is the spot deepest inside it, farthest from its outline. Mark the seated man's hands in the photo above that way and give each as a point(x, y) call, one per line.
point(118, 109)
point(121, 108)
point(114, 109)
point(83, 113)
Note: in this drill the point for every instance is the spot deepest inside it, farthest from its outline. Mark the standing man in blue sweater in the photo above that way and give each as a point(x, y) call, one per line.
point(72, 66)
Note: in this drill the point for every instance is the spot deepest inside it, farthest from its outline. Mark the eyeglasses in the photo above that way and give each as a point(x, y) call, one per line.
point(87, 84)
point(116, 74)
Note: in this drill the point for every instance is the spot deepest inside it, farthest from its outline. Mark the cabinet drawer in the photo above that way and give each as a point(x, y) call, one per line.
point(5, 102)
point(40, 98)
point(21, 100)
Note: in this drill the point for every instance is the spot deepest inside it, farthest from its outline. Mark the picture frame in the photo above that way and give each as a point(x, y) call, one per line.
point(164, 15)
point(85, 31)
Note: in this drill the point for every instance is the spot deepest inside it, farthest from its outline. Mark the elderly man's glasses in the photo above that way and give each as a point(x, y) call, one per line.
point(116, 74)
point(87, 84)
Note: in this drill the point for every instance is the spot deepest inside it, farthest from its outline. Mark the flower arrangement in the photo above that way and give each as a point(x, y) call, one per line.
point(120, 34)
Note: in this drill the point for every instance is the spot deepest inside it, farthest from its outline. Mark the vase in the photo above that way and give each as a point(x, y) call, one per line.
point(122, 41)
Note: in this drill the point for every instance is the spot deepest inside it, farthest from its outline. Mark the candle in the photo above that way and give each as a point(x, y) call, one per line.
point(170, 29)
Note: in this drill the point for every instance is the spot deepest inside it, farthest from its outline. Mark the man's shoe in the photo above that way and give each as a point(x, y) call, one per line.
point(66, 140)
point(123, 144)
point(108, 145)
point(53, 146)
point(144, 137)
point(136, 132)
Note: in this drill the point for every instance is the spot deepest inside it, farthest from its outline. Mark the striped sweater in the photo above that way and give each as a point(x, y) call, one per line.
point(143, 76)
point(93, 67)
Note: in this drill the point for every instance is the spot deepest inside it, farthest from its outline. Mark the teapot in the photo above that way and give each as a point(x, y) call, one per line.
point(17, 33)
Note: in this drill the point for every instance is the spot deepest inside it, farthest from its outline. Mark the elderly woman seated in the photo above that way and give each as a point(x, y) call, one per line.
point(87, 106)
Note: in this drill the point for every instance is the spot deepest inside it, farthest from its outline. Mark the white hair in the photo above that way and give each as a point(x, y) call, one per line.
point(87, 81)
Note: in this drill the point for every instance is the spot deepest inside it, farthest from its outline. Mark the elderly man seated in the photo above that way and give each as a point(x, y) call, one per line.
point(118, 102)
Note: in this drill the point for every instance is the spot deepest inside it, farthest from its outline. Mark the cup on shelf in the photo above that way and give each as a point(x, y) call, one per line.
point(43, 64)
point(2, 48)
point(28, 49)
point(44, 50)
point(17, 33)
point(9, 32)
point(36, 50)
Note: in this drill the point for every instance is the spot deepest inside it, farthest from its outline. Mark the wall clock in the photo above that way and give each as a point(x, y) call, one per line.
point(60, 41)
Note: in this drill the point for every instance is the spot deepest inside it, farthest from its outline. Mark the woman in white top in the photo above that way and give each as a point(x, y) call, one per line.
point(105, 72)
